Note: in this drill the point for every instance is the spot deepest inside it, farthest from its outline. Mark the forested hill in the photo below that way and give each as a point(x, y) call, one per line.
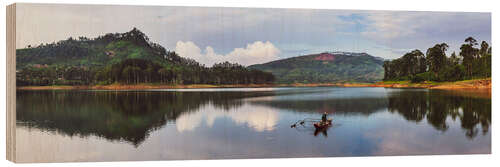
point(326, 67)
point(126, 58)
point(103, 50)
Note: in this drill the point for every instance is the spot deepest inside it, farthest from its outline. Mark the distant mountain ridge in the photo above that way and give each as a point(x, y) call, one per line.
point(326, 67)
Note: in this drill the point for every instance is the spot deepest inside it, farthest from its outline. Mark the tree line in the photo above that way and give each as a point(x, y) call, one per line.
point(473, 61)
point(136, 71)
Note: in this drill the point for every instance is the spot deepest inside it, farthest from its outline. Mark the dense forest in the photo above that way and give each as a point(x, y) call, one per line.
point(125, 58)
point(472, 62)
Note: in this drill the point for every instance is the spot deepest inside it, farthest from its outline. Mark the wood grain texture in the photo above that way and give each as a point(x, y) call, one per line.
point(11, 83)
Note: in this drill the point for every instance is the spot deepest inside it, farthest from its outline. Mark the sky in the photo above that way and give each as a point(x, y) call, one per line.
point(255, 35)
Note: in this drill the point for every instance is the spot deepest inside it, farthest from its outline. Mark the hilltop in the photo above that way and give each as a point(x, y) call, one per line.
point(327, 67)
point(101, 51)
point(122, 58)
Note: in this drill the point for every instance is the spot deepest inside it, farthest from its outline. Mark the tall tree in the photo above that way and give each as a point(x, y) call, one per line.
point(413, 63)
point(454, 59)
point(484, 48)
point(422, 61)
point(436, 57)
point(468, 54)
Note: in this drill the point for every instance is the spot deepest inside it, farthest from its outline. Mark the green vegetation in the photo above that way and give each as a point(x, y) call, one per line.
point(127, 58)
point(436, 66)
point(326, 68)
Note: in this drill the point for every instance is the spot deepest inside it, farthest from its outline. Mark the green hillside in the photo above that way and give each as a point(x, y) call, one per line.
point(101, 51)
point(326, 67)
point(126, 58)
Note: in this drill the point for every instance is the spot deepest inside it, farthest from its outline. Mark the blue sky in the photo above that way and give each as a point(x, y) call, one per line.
point(255, 35)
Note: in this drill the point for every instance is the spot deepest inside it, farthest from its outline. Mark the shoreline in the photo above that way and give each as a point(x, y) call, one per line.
point(478, 84)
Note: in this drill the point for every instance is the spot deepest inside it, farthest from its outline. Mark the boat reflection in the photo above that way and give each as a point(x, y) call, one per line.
point(323, 131)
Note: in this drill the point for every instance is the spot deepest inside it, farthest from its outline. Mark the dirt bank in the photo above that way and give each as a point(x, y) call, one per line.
point(478, 84)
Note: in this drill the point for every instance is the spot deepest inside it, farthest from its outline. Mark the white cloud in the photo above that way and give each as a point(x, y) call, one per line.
point(254, 53)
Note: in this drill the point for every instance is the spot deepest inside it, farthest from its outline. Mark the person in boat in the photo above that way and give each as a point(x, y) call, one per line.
point(324, 118)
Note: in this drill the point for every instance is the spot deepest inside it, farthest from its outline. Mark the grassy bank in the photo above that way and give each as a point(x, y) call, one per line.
point(466, 84)
point(483, 84)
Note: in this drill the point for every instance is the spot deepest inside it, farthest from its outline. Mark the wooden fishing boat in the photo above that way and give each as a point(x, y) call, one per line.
point(323, 125)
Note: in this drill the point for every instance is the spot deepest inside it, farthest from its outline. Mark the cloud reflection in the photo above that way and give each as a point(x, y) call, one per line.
point(258, 118)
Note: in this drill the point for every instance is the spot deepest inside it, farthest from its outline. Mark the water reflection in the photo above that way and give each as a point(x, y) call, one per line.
point(345, 106)
point(236, 123)
point(324, 132)
point(137, 113)
point(436, 106)
point(258, 118)
point(127, 116)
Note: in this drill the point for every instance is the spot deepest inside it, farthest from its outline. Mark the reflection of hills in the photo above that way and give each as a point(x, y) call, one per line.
point(131, 115)
point(128, 116)
point(363, 106)
point(436, 106)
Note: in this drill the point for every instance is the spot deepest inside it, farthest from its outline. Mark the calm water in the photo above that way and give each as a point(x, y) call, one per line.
point(56, 126)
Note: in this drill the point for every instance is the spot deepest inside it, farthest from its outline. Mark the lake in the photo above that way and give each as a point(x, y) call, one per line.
point(184, 124)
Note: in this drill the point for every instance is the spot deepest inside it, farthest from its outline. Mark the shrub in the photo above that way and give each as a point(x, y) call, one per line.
point(417, 78)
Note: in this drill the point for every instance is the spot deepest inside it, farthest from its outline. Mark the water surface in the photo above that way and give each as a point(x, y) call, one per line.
point(58, 126)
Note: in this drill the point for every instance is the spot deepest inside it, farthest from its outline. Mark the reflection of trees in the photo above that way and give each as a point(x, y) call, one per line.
point(130, 116)
point(363, 106)
point(122, 115)
point(436, 106)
